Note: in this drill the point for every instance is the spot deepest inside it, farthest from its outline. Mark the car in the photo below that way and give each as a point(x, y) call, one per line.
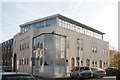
point(15, 76)
point(118, 74)
point(81, 72)
point(98, 72)
point(4, 69)
point(111, 71)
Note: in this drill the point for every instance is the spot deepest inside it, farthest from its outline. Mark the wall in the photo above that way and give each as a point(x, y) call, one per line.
point(86, 53)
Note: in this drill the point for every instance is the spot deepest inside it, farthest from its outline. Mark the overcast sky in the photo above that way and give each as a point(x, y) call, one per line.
point(99, 14)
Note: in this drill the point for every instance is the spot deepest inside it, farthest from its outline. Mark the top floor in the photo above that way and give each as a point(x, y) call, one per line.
point(62, 21)
point(8, 42)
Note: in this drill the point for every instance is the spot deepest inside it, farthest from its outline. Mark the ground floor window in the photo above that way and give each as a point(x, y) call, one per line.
point(87, 62)
point(72, 63)
point(81, 63)
point(100, 64)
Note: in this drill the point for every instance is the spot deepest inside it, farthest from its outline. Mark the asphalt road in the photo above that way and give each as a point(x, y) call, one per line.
point(68, 78)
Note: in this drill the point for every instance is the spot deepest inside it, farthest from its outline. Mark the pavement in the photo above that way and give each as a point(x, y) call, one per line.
point(68, 78)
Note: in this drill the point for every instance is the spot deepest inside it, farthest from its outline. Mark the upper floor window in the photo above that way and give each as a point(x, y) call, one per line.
point(15, 43)
point(103, 51)
point(94, 49)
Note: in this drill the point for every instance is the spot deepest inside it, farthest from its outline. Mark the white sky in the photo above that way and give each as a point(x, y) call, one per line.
point(99, 14)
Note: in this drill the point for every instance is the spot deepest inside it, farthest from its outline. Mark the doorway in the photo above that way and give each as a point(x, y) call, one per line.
point(15, 63)
point(72, 63)
point(100, 64)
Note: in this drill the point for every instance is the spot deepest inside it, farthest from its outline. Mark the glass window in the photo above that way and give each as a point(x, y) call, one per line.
point(70, 26)
point(81, 63)
point(48, 23)
point(27, 61)
point(104, 64)
point(103, 51)
point(41, 24)
point(27, 45)
point(78, 29)
point(95, 49)
point(82, 30)
point(95, 64)
point(65, 24)
point(84, 68)
point(60, 22)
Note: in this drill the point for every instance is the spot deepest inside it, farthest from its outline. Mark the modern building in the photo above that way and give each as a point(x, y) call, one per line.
point(0, 54)
point(54, 45)
point(7, 52)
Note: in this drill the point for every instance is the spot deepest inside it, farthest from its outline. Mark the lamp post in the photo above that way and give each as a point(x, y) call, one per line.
point(78, 49)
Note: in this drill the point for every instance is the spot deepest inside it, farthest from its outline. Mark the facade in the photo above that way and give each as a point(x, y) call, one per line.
point(0, 54)
point(7, 52)
point(54, 45)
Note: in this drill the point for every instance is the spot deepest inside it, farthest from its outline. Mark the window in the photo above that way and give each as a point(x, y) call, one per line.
point(100, 64)
point(87, 62)
point(95, 49)
point(93, 64)
point(27, 62)
point(81, 63)
point(15, 43)
point(78, 29)
point(20, 62)
point(103, 51)
point(104, 64)
point(20, 47)
point(48, 23)
point(27, 45)
point(41, 25)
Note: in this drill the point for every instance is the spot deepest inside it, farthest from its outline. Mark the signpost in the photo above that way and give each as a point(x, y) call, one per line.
point(78, 59)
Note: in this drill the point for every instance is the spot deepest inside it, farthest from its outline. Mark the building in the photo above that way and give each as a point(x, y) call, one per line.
point(7, 52)
point(54, 45)
point(0, 54)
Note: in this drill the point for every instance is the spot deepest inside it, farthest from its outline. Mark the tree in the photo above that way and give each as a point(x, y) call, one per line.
point(114, 58)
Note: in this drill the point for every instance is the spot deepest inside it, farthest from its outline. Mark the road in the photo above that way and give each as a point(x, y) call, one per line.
point(68, 78)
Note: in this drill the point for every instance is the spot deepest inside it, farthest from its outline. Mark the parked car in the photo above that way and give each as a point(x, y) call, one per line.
point(112, 71)
point(98, 72)
point(84, 72)
point(4, 69)
point(15, 76)
point(118, 74)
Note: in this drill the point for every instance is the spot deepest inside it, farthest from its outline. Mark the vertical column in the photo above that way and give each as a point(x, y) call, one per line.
point(57, 21)
point(102, 37)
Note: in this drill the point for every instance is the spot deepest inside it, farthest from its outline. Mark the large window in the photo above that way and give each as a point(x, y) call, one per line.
point(49, 50)
point(78, 29)
point(42, 24)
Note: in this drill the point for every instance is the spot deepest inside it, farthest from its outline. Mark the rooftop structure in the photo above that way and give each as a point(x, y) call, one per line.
point(62, 21)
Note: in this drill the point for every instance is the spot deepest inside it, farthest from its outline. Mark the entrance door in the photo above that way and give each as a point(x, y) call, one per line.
point(100, 64)
point(15, 63)
point(72, 63)
point(87, 62)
